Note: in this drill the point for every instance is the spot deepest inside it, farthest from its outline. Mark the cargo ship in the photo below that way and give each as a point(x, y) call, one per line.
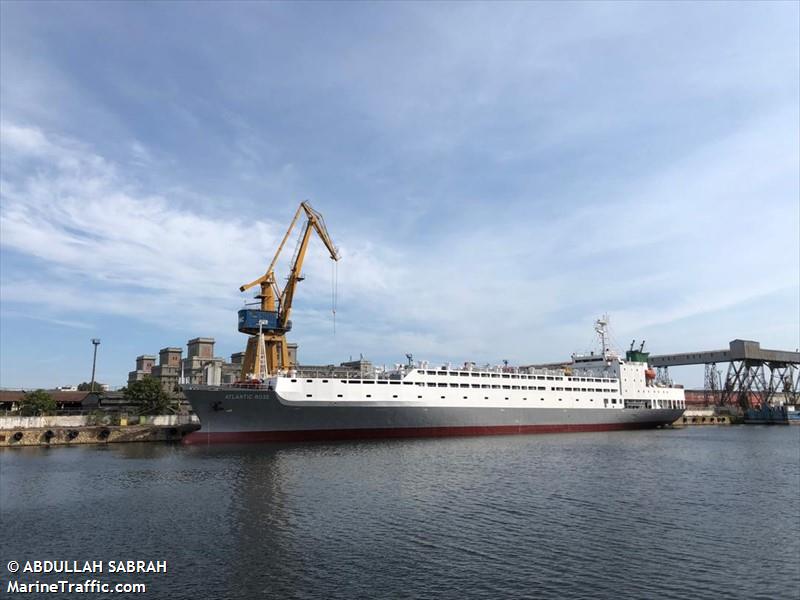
point(593, 392)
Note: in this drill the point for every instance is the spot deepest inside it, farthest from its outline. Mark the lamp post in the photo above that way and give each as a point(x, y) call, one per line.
point(96, 342)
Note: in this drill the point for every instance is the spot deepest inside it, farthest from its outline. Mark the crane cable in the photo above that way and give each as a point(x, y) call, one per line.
point(334, 290)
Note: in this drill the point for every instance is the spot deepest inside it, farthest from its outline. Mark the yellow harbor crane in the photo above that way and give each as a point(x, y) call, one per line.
point(267, 351)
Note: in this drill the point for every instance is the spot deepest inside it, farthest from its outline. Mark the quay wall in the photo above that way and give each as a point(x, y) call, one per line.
point(17, 422)
point(706, 416)
point(71, 430)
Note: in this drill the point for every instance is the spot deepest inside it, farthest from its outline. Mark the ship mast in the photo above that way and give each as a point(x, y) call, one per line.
point(601, 327)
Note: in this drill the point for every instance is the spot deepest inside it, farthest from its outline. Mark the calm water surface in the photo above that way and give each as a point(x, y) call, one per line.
point(697, 513)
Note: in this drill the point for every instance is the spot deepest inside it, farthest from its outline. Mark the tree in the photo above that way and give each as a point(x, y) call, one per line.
point(37, 403)
point(86, 386)
point(149, 395)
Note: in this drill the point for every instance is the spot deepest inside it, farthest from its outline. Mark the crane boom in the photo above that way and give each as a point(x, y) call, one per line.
point(269, 271)
point(316, 223)
point(267, 349)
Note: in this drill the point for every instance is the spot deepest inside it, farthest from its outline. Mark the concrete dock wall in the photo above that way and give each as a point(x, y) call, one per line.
point(84, 429)
point(709, 416)
point(14, 422)
point(43, 422)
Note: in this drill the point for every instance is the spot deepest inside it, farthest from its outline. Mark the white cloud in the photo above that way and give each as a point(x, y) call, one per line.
point(141, 255)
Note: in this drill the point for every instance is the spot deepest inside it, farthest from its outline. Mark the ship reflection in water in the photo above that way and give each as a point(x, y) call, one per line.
point(636, 514)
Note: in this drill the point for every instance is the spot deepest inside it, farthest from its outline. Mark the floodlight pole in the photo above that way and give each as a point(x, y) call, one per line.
point(96, 342)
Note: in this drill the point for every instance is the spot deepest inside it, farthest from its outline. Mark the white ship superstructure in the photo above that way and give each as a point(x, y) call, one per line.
point(592, 383)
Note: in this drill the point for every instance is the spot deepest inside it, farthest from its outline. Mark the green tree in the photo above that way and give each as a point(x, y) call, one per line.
point(150, 396)
point(37, 403)
point(86, 386)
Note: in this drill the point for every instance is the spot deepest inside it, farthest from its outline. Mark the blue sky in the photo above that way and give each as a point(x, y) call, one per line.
point(496, 176)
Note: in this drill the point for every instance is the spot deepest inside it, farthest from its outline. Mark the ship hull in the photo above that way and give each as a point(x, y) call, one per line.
point(242, 415)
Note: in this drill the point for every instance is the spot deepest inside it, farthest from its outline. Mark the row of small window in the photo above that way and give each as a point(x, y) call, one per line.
point(484, 386)
point(465, 385)
point(383, 381)
point(473, 385)
point(429, 384)
point(509, 376)
point(574, 389)
point(605, 400)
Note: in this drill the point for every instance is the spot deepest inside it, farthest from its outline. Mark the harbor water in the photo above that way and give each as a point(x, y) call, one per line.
point(673, 513)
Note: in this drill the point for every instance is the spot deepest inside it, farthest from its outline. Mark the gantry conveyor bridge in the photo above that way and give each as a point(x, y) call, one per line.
point(755, 375)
